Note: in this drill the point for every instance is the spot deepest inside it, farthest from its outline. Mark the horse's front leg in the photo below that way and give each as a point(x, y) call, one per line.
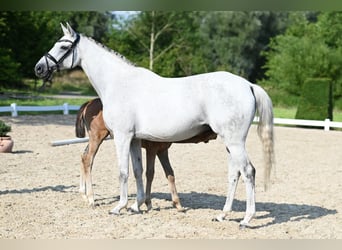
point(137, 169)
point(122, 143)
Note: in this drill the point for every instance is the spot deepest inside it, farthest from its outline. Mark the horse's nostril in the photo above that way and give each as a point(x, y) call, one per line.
point(39, 69)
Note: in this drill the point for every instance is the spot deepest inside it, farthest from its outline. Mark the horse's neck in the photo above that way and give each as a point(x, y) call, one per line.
point(103, 68)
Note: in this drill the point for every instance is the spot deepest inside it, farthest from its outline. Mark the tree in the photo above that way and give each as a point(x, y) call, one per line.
point(165, 42)
point(26, 36)
point(8, 66)
point(234, 39)
point(8, 69)
point(185, 43)
point(308, 49)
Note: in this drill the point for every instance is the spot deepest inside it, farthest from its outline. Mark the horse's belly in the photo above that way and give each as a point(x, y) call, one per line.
point(170, 135)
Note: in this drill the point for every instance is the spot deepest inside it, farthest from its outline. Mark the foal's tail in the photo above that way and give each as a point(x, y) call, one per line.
point(265, 129)
point(79, 125)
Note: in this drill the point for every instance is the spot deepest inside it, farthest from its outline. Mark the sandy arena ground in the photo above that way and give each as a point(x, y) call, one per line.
point(39, 188)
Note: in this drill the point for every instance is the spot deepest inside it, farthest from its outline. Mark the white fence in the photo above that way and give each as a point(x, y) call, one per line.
point(14, 108)
point(65, 108)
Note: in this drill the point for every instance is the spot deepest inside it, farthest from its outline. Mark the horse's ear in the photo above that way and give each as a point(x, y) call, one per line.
point(65, 30)
point(71, 31)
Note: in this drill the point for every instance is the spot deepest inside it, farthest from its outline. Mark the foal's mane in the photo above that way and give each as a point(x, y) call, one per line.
point(115, 53)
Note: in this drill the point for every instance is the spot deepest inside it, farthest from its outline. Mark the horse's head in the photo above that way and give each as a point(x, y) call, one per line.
point(63, 55)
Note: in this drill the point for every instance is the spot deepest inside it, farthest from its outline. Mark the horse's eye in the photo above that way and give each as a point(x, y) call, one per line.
point(64, 47)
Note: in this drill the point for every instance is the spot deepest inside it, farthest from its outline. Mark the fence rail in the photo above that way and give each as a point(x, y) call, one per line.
point(14, 108)
point(65, 108)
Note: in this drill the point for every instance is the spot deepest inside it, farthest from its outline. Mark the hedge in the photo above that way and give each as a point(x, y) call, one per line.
point(316, 100)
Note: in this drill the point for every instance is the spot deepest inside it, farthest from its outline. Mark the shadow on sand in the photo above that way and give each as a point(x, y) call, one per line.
point(58, 188)
point(278, 212)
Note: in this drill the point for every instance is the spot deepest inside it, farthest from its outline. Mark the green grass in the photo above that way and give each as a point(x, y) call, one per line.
point(280, 112)
point(290, 113)
point(337, 116)
point(44, 101)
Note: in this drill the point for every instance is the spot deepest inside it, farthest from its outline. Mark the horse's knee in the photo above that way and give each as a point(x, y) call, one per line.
point(123, 177)
point(150, 173)
point(250, 171)
point(137, 172)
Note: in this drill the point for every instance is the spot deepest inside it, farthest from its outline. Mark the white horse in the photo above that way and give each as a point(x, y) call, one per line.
point(139, 104)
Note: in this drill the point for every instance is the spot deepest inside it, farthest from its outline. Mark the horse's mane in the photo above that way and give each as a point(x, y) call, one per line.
point(115, 53)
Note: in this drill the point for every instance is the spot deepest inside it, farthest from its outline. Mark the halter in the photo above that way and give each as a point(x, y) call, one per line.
point(66, 54)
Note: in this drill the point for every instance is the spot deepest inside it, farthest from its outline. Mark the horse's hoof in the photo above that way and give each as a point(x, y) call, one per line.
point(181, 210)
point(243, 226)
point(149, 206)
point(84, 197)
point(219, 218)
point(91, 203)
point(114, 212)
point(133, 211)
point(134, 208)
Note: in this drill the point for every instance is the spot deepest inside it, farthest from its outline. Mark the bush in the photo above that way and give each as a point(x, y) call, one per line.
point(316, 100)
point(9, 69)
point(4, 129)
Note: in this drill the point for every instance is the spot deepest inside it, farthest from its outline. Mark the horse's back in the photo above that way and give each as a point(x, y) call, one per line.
point(179, 108)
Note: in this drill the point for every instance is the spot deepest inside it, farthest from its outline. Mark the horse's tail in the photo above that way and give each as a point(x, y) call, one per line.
point(79, 125)
point(265, 129)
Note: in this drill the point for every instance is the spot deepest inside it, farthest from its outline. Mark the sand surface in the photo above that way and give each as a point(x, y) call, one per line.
point(39, 188)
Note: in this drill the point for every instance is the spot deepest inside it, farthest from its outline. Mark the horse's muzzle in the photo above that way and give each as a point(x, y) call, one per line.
point(42, 71)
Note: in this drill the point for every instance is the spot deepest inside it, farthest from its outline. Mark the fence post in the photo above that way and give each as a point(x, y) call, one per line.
point(326, 124)
point(14, 110)
point(65, 109)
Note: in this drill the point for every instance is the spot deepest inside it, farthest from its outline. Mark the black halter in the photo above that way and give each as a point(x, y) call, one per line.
point(57, 63)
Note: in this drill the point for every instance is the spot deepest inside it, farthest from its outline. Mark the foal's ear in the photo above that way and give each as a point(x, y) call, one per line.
point(65, 30)
point(71, 31)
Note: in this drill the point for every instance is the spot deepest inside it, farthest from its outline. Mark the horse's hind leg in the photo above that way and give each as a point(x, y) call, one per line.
point(164, 160)
point(150, 161)
point(249, 177)
point(240, 165)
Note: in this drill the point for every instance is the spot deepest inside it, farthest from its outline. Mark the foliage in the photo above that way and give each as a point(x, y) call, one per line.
point(282, 48)
point(308, 49)
point(8, 69)
point(165, 42)
point(186, 43)
point(234, 40)
point(26, 36)
point(4, 129)
point(316, 100)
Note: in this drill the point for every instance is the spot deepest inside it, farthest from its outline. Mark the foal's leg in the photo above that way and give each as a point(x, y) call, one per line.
point(82, 172)
point(164, 160)
point(239, 164)
point(150, 161)
point(95, 140)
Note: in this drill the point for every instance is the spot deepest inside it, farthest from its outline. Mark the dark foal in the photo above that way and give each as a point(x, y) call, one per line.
point(90, 116)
